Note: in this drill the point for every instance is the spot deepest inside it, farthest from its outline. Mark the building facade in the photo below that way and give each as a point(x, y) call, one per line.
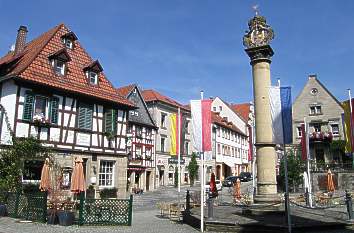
point(232, 134)
point(141, 135)
point(53, 90)
point(323, 114)
point(230, 147)
point(161, 108)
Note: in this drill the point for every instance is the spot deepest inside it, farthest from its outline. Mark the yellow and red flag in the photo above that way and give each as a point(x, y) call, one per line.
point(175, 129)
point(348, 127)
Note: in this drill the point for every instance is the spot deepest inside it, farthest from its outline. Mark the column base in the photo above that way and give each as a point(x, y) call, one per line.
point(267, 198)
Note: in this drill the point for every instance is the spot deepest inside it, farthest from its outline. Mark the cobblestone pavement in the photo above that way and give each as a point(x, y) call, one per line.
point(143, 222)
point(146, 218)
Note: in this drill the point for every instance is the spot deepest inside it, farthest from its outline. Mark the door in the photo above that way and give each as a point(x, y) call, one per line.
point(148, 180)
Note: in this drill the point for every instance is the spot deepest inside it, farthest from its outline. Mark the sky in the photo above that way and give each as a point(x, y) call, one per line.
point(179, 47)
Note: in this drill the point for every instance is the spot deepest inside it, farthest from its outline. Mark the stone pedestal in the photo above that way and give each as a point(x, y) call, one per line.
point(266, 156)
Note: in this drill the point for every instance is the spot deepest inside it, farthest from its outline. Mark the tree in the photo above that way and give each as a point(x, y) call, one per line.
point(193, 168)
point(295, 169)
point(11, 161)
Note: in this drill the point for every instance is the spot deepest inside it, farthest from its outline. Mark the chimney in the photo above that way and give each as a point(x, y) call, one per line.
point(20, 40)
point(313, 76)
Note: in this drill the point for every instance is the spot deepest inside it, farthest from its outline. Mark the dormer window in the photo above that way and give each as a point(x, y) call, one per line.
point(68, 43)
point(59, 66)
point(68, 40)
point(59, 61)
point(92, 72)
point(93, 77)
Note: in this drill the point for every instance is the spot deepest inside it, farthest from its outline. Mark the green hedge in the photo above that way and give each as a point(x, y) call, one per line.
point(108, 193)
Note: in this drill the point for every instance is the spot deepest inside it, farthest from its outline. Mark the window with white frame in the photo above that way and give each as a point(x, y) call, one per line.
point(68, 43)
point(163, 140)
point(185, 148)
point(138, 152)
point(148, 133)
point(316, 127)
point(139, 131)
point(335, 129)
point(59, 66)
point(106, 173)
point(93, 77)
point(299, 131)
point(148, 153)
point(32, 170)
point(40, 107)
point(315, 110)
point(163, 120)
point(219, 149)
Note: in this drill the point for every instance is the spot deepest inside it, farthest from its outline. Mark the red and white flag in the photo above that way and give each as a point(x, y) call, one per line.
point(201, 124)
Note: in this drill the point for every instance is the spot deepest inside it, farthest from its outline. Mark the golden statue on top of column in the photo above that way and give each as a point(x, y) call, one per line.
point(259, 33)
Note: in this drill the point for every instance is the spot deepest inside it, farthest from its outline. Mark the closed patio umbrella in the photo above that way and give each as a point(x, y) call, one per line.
point(330, 183)
point(77, 179)
point(213, 190)
point(45, 176)
point(237, 189)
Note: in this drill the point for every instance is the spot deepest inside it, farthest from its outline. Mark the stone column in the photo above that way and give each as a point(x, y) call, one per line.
point(265, 148)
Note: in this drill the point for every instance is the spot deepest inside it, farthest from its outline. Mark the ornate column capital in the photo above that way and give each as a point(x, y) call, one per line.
point(260, 54)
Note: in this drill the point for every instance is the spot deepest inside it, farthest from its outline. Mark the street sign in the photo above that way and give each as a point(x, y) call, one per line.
point(175, 161)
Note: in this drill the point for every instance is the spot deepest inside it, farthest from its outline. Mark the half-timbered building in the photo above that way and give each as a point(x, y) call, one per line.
point(53, 90)
point(141, 133)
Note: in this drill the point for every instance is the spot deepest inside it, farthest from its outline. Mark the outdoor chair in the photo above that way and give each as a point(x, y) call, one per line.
point(174, 212)
point(164, 208)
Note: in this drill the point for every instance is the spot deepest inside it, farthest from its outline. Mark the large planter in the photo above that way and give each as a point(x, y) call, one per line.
point(3, 210)
point(52, 217)
point(66, 218)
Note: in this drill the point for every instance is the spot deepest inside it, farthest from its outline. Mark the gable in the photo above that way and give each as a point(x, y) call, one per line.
point(330, 105)
point(34, 66)
point(228, 112)
point(143, 116)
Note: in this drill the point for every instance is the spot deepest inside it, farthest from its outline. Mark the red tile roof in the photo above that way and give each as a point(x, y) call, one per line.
point(33, 65)
point(218, 120)
point(242, 109)
point(152, 95)
point(124, 91)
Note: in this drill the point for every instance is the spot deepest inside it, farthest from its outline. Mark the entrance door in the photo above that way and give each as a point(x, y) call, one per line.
point(162, 177)
point(148, 180)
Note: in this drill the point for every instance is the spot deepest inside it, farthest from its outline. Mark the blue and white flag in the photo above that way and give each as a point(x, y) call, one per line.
point(281, 113)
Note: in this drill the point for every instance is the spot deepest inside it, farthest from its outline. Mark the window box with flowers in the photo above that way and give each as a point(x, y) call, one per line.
point(40, 110)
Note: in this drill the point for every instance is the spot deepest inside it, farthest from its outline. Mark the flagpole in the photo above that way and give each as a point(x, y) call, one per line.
point(179, 150)
point(202, 182)
point(351, 121)
point(308, 162)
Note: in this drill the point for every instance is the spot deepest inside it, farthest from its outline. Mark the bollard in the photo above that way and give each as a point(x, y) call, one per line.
point(188, 202)
point(307, 197)
point(210, 208)
point(348, 201)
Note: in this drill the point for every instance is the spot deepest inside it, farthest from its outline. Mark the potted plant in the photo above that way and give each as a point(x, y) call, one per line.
point(52, 217)
point(90, 192)
point(3, 209)
point(66, 216)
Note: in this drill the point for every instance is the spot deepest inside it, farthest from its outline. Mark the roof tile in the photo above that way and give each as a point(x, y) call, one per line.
point(33, 65)
point(152, 95)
